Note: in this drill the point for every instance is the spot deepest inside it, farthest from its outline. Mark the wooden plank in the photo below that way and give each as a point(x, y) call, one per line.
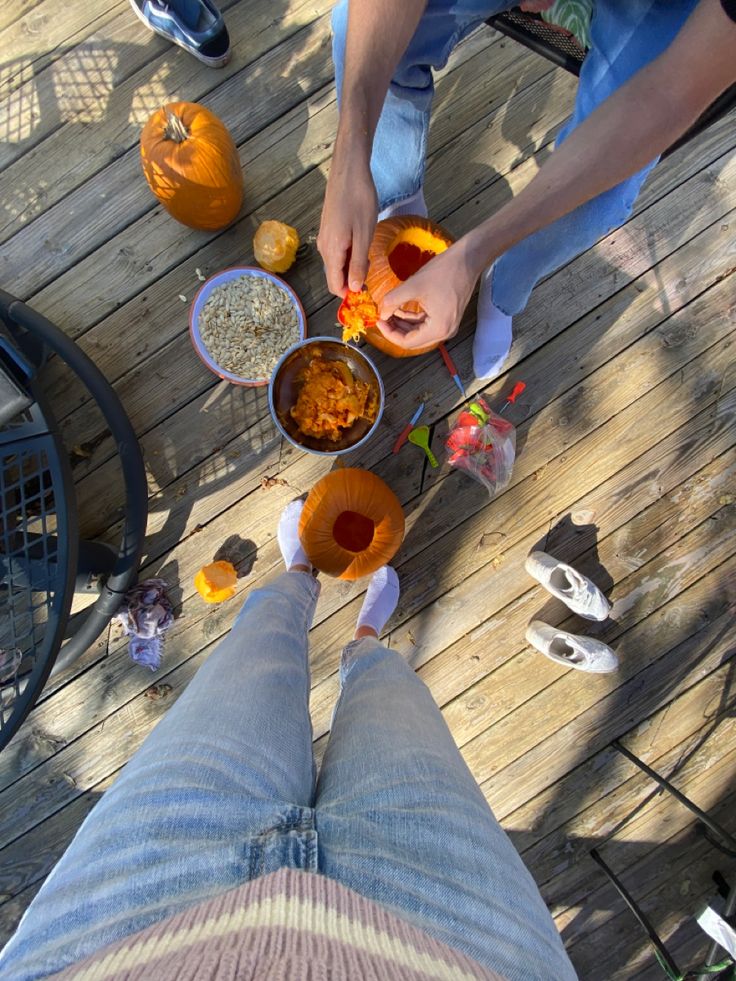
point(124, 80)
point(702, 261)
point(324, 649)
point(42, 790)
point(559, 862)
point(127, 319)
point(633, 842)
point(35, 37)
point(496, 653)
point(507, 786)
point(11, 12)
point(74, 91)
point(158, 313)
point(13, 910)
point(461, 557)
point(654, 533)
point(89, 216)
point(293, 144)
point(684, 858)
point(663, 739)
point(29, 864)
point(683, 215)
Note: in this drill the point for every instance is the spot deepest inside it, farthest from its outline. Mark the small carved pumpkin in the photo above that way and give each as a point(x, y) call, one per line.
point(192, 166)
point(400, 247)
point(217, 581)
point(274, 246)
point(351, 524)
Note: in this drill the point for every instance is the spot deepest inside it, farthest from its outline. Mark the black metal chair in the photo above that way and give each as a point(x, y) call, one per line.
point(565, 52)
point(42, 561)
point(717, 836)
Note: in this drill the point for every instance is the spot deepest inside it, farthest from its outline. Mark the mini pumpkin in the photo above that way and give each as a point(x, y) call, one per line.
point(274, 246)
point(351, 524)
point(400, 247)
point(216, 582)
point(192, 166)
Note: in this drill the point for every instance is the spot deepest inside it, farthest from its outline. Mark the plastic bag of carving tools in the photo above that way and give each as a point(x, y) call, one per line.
point(483, 445)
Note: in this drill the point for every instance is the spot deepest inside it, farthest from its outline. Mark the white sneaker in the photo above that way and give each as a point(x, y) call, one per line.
point(570, 650)
point(575, 590)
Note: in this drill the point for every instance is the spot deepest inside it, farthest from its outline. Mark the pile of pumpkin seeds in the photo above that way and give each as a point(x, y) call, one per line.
point(247, 324)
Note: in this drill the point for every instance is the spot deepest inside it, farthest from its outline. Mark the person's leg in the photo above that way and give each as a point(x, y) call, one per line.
point(625, 37)
point(400, 143)
point(401, 820)
point(219, 793)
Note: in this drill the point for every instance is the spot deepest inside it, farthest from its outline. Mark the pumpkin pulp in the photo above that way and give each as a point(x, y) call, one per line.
point(353, 531)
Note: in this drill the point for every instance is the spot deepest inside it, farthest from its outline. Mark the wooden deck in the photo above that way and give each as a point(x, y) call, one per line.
point(626, 458)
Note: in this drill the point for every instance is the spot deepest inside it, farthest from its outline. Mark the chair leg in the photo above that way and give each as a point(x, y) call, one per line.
point(728, 840)
point(654, 937)
point(715, 950)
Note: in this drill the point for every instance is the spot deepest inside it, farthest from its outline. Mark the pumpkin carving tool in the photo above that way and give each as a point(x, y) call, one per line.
point(404, 434)
point(420, 437)
point(512, 396)
point(450, 365)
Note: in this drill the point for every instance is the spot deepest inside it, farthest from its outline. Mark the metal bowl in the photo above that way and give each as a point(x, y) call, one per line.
point(203, 295)
point(283, 392)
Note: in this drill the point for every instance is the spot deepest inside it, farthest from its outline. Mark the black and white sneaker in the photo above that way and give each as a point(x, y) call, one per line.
point(195, 25)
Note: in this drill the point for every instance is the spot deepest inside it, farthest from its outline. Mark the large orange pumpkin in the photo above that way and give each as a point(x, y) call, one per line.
point(191, 164)
point(351, 524)
point(400, 247)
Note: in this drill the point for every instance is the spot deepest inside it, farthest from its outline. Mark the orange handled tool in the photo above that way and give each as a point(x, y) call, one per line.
point(512, 396)
point(404, 434)
point(450, 365)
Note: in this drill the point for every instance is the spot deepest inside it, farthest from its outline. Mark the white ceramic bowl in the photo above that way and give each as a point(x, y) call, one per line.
point(203, 295)
point(282, 393)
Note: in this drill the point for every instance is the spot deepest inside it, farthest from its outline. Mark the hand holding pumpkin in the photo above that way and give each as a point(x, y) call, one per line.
point(443, 288)
point(348, 220)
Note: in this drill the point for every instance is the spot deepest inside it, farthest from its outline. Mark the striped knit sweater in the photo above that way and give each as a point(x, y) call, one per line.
point(288, 926)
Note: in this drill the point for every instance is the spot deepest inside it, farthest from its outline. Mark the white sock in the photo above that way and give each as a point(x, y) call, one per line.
point(415, 205)
point(493, 333)
point(288, 536)
point(380, 600)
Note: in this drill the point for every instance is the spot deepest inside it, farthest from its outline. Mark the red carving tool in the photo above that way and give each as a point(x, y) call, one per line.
point(404, 434)
point(512, 396)
point(450, 365)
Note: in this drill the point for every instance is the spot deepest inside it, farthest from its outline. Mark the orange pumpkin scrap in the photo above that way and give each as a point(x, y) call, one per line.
point(216, 582)
point(400, 247)
point(351, 524)
point(331, 399)
point(192, 166)
point(274, 246)
point(357, 313)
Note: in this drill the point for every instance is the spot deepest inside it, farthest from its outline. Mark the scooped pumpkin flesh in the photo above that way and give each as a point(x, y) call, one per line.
point(357, 313)
point(216, 582)
point(331, 399)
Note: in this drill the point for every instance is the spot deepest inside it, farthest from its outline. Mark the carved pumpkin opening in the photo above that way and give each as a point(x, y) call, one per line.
point(412, 249)
point(351, 524)
point(353, 531)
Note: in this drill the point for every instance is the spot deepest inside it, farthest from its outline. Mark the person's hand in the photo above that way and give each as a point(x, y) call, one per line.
point(348, 221)
point(442, 288)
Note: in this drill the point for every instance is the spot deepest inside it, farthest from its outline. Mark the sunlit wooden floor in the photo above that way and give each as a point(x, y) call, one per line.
point(626, 460)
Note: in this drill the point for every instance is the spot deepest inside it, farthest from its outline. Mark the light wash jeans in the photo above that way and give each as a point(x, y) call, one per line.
point(223, 790)
point(625, 35)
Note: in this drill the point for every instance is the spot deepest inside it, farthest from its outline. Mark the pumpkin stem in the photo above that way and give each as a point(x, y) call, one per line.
point(175, 129)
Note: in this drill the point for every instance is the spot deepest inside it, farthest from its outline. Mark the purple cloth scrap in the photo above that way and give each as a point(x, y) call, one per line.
point(146, 614)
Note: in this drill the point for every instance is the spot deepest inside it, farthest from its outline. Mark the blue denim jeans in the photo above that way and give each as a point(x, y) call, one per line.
point(224, 790)
point(625, 35)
